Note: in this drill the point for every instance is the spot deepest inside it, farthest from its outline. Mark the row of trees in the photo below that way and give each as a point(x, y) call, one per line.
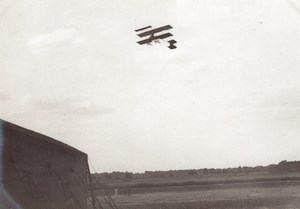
point(114, 176)
point(283, 166)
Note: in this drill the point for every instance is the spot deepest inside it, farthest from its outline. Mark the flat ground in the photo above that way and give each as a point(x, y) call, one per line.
point(282, 195)
point(266, 194)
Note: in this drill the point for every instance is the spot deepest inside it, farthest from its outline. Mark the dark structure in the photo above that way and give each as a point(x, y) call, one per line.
point(38, 172)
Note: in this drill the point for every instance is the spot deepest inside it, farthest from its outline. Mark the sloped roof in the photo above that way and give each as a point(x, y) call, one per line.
point(35, 135)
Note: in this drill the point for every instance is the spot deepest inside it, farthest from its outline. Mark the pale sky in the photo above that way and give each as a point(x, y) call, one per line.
point(229, 95)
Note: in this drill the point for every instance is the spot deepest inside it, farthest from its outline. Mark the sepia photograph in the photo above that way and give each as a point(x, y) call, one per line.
point(147, 104)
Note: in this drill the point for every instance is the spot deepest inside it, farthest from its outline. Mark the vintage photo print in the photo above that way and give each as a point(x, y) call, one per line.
point(147, 104)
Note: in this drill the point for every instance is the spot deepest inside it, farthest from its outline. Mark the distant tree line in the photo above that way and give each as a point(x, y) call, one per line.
point(282, 167)
point(116, 175)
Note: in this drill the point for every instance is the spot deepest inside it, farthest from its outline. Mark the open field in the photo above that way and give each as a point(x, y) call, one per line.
point(255, 191)
point(282, 195)
point(200, 180)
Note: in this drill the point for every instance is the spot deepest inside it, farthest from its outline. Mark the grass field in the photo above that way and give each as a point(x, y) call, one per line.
point(274, 192)
point(201, 180)
point(282, 195)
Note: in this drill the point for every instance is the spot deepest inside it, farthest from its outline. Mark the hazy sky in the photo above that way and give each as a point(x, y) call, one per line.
point(229, 95)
